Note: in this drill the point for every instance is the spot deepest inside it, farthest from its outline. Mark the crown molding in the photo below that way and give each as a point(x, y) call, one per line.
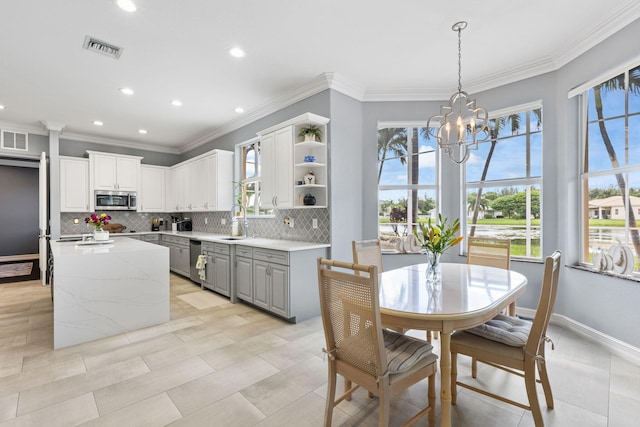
point(117, 142)
point(36, 130)
point(52, 126)
point(319, 84)
point(590, 37)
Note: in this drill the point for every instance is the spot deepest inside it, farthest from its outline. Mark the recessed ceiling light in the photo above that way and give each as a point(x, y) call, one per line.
point(239, 110)
point(142, 131)
point(1, 107)
point(176, 103)
point(97, 123)
point(126, 91)
point(127, 5)
point(236, 52)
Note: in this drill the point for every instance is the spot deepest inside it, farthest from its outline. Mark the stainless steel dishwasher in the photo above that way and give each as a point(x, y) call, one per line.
point(194, 251)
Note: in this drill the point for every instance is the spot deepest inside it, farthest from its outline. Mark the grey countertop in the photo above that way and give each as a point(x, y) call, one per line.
point(257, 242)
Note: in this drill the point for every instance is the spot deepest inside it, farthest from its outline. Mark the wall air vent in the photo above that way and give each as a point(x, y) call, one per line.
point(14, 140)
point(99, 46)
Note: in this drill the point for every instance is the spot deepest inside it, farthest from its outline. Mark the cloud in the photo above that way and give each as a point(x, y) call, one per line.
point(428, 157)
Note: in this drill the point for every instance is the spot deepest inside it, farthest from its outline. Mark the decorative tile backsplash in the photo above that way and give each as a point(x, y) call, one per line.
point(271, 227)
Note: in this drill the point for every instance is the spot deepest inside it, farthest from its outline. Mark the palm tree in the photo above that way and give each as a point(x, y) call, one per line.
point(496, 126)
point(415, 175)
point(394, 141)
point(615, 84)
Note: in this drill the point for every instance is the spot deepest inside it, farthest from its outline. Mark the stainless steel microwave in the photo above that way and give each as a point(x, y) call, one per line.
point(115, 200)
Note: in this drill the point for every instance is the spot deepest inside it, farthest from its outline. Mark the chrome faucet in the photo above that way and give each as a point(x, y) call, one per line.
point(245, 222)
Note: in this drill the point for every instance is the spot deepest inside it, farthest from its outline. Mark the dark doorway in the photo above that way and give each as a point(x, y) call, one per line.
point(19, 218)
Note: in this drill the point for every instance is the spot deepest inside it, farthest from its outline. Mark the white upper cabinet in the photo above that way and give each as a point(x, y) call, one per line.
point(294, 168)
point(218, 188)
point(74, 184)
point(114, 172)
point(204, 183)
point(277, 168)
point(152, 194)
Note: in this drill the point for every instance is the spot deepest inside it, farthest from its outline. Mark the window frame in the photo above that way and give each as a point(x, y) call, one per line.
point(528, 182)
point(582, 93)
point(240, 181)
point(435, 187)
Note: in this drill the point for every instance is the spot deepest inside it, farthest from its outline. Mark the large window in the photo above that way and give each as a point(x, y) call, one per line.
point(247, 189)
point(610, 173)
point(504, 182)
point(407, 180)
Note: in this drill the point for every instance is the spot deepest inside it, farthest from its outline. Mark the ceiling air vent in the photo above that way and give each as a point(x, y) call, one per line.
point(99, 46)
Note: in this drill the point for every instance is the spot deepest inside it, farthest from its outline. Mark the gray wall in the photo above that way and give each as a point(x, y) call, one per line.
point(346, 151)
point(79, 149)
point(317, 104)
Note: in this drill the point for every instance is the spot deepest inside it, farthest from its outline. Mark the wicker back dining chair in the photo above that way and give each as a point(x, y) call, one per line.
point(359, 349)
point(489, 252)
point(367, 252)
point(514, 345)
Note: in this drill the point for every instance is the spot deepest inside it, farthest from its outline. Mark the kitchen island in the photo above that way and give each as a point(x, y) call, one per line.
point(101, 290)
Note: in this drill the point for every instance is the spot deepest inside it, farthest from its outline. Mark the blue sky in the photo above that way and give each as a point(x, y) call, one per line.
point(508, 161)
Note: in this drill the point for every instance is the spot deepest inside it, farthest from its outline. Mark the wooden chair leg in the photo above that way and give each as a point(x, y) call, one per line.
point(454, 377)
point(546, 386)
point(331, 395)
point(474, 367)
point(385, 406)
point(530, 383)
point(431, 394)
point(347, 386)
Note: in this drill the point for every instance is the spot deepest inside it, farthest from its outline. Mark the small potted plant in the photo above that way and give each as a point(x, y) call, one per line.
point(311, 133)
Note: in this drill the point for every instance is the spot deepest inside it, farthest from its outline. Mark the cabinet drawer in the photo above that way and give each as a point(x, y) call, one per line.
point(221, 248)
point(182, 241)
point(270, 255)
point(208, 247)
point(244, 251)
point(153, 238)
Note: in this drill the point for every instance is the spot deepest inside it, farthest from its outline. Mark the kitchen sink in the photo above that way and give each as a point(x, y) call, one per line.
point(233, 238)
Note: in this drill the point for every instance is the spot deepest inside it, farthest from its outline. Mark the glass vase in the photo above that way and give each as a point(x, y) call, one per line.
point(434, 274)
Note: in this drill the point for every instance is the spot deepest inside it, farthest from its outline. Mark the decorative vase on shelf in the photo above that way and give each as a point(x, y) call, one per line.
point(100, 235)
point(434, 274)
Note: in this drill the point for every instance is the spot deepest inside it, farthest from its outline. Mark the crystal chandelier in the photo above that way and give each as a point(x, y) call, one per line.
point(461, 125)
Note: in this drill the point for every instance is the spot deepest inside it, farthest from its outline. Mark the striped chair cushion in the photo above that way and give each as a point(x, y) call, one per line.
point(507, 330)
point(403, 351)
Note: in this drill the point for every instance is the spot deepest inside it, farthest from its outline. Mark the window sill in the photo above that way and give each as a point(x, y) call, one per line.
point(632, 277)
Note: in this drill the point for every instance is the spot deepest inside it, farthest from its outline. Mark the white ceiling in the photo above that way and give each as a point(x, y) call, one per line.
point(369, 49)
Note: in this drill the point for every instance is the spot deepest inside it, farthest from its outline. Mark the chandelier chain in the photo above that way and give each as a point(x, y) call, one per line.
point(459, 60)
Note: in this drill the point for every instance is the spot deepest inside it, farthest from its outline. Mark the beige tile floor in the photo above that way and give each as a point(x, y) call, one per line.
point(226, 364)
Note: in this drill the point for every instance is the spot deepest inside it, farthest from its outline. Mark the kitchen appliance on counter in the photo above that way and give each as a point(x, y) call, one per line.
point(185, 224)
point(115, 200)
point(155, 224)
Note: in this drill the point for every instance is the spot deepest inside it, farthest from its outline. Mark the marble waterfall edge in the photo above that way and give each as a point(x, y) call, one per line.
point(104, 291)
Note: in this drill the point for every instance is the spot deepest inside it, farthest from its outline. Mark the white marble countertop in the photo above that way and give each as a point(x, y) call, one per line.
point(62, 248)
point(256, 242)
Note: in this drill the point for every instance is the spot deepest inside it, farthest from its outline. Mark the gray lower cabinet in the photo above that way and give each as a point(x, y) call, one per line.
point(244, 273)
point(218, 268)
point(119, 235)
point(178, 254)
point(284, 283)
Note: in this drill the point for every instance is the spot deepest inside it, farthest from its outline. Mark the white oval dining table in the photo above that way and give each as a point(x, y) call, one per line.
point(468, 295)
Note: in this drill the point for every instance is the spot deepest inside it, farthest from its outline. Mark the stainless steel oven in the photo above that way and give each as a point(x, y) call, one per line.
point(115, 200)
